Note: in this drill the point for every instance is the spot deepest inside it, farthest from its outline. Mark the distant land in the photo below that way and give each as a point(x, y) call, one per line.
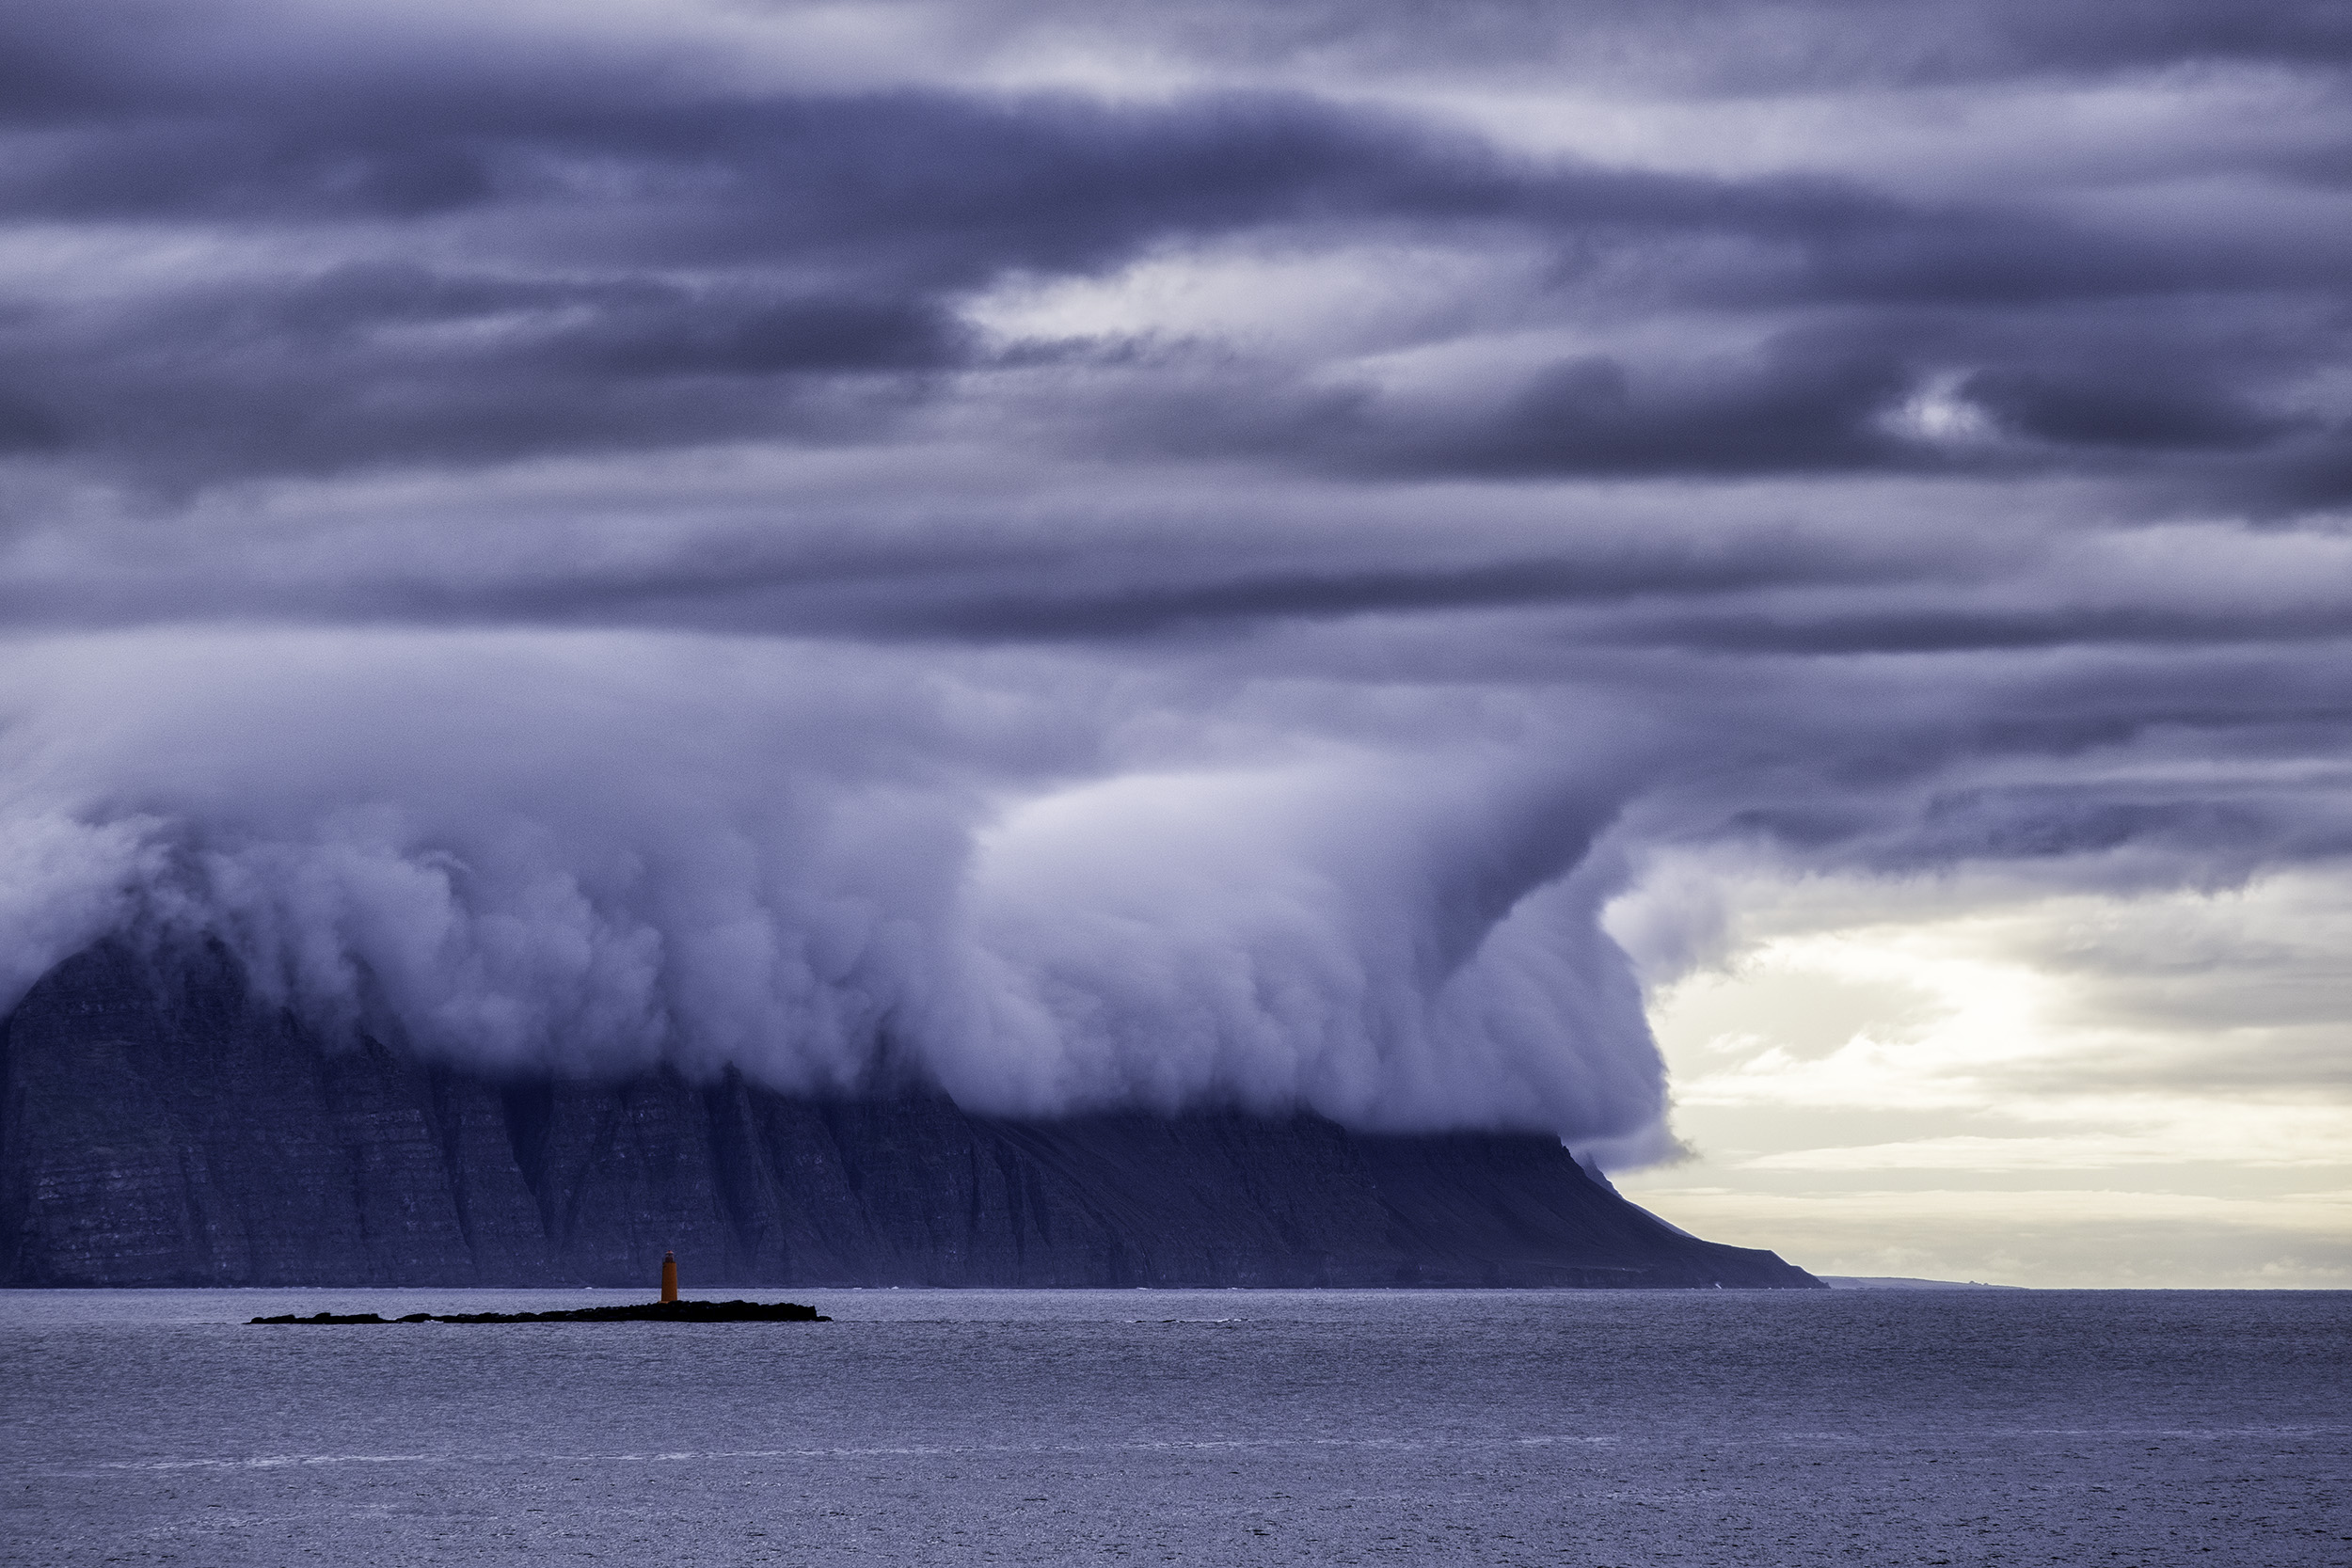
point(161, 1126)
point(1898, 1282)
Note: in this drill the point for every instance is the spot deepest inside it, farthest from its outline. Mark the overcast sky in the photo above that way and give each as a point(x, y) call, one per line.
point(1765, 587)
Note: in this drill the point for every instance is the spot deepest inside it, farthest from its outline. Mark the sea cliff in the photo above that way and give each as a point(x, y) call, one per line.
point(159, 1126)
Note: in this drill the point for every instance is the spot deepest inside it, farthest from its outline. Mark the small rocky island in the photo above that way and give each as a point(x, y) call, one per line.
point(669, 1310)
point(633, 1312)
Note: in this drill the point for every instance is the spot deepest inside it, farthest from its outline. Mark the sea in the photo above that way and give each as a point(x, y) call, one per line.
point(1197, 1427)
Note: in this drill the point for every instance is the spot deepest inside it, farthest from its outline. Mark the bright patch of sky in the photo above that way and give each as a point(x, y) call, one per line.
point(1957, 1079)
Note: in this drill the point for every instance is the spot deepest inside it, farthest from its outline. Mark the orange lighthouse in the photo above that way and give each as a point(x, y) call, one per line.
point(669, 1276)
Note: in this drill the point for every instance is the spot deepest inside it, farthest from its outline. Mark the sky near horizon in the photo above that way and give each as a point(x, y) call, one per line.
point(1766, 587)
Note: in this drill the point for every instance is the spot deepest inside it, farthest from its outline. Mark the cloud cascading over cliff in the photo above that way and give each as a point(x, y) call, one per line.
point(597, 851)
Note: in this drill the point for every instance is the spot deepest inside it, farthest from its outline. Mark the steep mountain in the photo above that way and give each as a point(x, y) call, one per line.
point(159, 1126)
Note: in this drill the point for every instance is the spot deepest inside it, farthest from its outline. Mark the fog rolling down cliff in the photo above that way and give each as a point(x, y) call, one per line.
point(162, 1126)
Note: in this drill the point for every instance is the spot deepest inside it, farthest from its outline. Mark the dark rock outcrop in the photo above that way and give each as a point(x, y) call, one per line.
point(635, 1312)
point(158, 1127)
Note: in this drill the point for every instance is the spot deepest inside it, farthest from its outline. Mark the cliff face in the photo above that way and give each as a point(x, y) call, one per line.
point(159, 1128)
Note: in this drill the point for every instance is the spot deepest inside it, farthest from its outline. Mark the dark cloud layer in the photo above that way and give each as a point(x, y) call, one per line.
point(645, 537)
point(621, 256)
point(1732, 45)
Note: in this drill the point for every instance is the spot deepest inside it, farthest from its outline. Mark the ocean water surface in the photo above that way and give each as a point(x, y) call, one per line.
point(1183, 1426)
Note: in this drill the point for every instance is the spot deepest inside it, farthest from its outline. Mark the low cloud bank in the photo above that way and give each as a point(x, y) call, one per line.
point(593, 853)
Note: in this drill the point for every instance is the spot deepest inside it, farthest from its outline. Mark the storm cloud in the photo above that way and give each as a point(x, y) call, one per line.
point(1163, 554)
